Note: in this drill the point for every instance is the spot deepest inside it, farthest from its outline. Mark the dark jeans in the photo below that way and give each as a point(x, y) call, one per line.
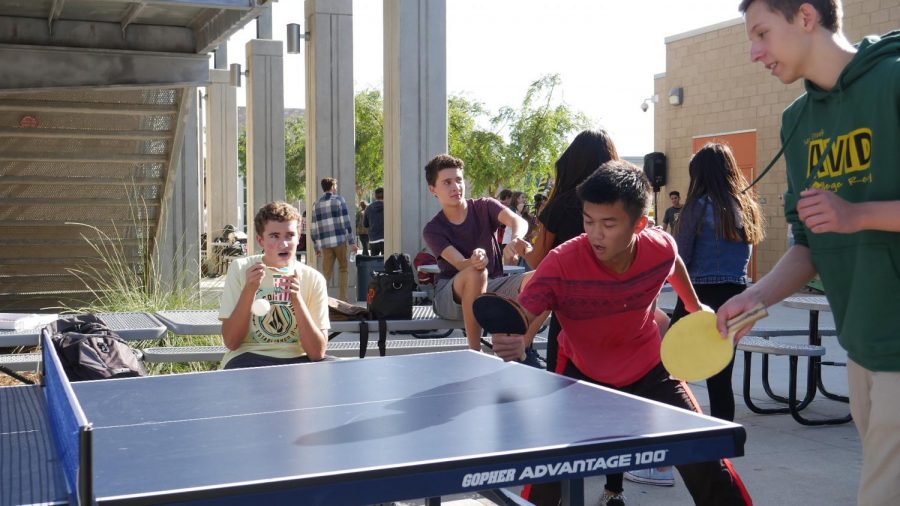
point(376, 248)
point(364, 244)
point(552, 342)
point(532, 358)
point(721, 393)
point(709, 483)
point(245, 360)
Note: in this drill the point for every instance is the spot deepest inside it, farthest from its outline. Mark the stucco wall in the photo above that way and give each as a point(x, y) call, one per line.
point(725, 92)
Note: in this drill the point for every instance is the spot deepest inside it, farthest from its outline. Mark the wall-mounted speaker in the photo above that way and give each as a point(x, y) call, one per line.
point(655, 167)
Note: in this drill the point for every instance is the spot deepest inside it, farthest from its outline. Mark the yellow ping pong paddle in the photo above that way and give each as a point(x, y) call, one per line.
point(693, 349)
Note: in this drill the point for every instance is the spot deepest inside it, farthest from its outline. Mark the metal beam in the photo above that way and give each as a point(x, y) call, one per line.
point(97, 35)
point(86, 107)
point(55, 11)
point(73, 202)
point(40, 68)
point(133, 11)
point(82, 181)
point(241, 5)
point(92, 158)
point(217, 27)
point(122, 225)
point(75, 133)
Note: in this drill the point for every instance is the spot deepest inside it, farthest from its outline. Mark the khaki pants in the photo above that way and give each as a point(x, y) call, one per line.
point(328, 256)
point(875, 405)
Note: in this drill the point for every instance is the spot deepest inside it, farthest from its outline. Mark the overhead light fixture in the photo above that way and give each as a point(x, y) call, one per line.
point(235, 74)
point(646, 103)
point(294, 36)
point(676, 96)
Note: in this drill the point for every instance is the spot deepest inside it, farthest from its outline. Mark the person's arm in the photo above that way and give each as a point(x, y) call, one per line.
point(478, 260)
point(314, 232)
point(348, 226)
point(235, 327)
point(312, 339)
point(790, 274)
point(824, 211)
point(681, 282)
point(543, 243)
point(517, 227)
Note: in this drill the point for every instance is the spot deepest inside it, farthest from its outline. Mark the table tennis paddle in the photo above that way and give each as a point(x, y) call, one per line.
point(693, 349)
point(500, 315)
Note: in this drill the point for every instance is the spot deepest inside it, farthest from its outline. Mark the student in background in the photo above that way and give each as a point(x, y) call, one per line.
point(374, 222)
point(361, 230)
point(718, 228)
point(672, 213)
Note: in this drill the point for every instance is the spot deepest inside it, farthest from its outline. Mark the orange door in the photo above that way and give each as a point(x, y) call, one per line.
point(743, 145)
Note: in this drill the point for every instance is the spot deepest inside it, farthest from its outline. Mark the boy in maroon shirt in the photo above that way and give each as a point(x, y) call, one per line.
point(603, 286)
point(462, 238)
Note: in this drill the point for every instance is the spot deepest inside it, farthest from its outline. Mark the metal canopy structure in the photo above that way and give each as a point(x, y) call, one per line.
point(97, 118)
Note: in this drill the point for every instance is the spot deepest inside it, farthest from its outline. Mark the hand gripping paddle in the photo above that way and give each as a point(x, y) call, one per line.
point(693, 349)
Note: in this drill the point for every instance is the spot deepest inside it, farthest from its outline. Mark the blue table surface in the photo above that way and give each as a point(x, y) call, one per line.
point(357, 420)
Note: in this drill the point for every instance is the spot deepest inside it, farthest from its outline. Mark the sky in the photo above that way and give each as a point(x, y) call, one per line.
point(606, 52)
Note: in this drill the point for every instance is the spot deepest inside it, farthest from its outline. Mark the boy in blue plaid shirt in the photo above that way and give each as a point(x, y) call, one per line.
point(332, 232)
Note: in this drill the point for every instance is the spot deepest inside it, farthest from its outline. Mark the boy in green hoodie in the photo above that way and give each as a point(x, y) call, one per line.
point(843, 204)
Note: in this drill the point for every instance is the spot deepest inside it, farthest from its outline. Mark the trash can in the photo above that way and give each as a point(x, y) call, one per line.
point(365, 266)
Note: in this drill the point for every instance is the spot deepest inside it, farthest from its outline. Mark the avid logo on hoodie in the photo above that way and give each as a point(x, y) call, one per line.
point(849, 155)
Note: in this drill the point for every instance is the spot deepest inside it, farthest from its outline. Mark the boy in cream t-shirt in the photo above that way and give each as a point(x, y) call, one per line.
point(293, 329)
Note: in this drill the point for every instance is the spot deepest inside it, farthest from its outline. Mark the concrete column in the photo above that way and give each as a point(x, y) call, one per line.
point(265, 128)
point(221, 186)
point(330, 121)
point(415, 115)
point(179, 249)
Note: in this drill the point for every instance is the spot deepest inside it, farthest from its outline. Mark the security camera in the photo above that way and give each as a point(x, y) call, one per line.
point(645, 106)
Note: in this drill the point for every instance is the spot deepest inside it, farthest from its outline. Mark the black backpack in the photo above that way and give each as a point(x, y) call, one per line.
point(390, 292)
point(398, 262)
point(89, 350)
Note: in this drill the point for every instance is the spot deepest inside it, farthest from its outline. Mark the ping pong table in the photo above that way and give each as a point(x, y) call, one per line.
point(344, 432)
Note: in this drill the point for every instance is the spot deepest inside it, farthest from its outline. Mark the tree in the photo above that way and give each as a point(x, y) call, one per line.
point(537, 131)
point(295, 158)
point(294, 154)
point(369, 141)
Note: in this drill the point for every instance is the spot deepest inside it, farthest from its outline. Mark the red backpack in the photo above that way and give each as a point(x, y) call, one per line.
point(425, 258)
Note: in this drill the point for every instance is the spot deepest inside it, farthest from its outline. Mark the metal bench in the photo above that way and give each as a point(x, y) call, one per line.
point(21, 362)
point(754, 344)
point(133, 326)
point(336, 349)
point(206, 322)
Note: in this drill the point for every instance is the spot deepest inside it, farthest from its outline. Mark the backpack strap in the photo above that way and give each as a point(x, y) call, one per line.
point(382, 336)
point(363, 338)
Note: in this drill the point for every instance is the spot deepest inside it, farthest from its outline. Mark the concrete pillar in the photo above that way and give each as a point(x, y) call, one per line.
point(178, 261)
point(265, 128)
point(415, 115)
point(221, 186)
point(330, 121)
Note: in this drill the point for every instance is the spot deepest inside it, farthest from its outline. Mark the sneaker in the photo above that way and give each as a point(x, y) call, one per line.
point(612, 499)
point(659, 476)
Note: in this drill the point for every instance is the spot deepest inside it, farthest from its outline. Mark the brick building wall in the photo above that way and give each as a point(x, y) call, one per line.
point(724, 92)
